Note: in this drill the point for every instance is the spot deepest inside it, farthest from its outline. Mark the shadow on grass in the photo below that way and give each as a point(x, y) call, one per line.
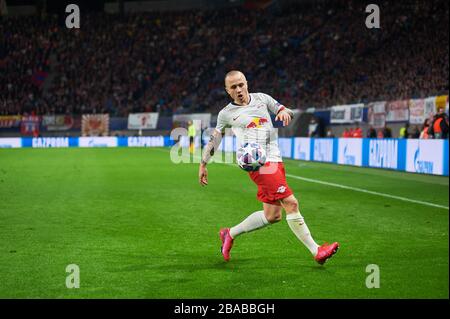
point(194, 263)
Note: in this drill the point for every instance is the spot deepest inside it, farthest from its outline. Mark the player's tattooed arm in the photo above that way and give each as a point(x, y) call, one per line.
point(211, 147)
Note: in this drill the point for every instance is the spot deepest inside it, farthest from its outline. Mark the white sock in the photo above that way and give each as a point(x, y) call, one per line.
point(300, 229)
point(252, 222)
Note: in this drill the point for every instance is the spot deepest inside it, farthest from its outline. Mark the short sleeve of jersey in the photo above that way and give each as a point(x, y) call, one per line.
point(222, 122)
point(273, 105)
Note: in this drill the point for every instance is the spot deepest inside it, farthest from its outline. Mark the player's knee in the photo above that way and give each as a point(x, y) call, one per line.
point(291, 205)
point(274, 217)
point(277, 217)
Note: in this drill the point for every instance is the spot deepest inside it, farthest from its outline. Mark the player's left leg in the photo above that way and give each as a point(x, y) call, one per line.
point(271, 214)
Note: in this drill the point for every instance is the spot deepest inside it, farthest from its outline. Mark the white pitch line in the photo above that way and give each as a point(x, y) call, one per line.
point(356, 189)
point(367, 191)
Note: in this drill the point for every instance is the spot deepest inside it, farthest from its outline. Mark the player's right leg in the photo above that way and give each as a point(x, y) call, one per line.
point(298, 226)
point(271, 214)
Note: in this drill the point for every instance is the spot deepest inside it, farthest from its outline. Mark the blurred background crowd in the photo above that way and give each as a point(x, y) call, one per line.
point(307, 54)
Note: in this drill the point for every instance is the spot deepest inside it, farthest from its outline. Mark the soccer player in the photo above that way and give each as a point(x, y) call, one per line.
point(248, 116)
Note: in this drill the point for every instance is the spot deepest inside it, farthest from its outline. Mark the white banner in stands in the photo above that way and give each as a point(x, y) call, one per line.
point(425, 156)
point(339, 114)
point(377, 114)
point(302, 148)
point(416, 111)
point(430, 106)
point(97, 142)
point(397, 111)
point(350, 151)
point(143, 121)
point(346, 113)
point(356, 112)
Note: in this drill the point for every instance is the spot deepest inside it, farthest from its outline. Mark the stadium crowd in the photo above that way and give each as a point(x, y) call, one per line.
point(313, 54)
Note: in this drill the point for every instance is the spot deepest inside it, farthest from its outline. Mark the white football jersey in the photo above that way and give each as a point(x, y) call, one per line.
point(252, 123)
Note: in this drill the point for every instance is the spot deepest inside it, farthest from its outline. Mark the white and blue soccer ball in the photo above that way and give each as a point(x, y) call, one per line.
point(251, 156)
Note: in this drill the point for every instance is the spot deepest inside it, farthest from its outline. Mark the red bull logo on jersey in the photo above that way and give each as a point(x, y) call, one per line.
point(257, 122)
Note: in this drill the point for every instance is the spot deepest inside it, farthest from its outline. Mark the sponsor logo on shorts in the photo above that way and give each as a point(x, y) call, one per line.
point(281, 189)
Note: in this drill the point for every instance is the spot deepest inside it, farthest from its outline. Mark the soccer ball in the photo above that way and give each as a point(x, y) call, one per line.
point(251, 156)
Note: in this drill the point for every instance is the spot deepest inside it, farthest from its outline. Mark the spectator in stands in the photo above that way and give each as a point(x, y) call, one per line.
point(351, 132)
point(358, 133)
point(371, 133)
point(345, 133)
point(330, 133)
point(424, 132)
point(439, 126)
point(106, 65)
point(403, 133)
point(380, 134)
point(313, 128)
point(415, 133)
point(387, 132)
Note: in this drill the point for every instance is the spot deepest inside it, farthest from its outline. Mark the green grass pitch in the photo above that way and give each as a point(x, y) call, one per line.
point(139, 226)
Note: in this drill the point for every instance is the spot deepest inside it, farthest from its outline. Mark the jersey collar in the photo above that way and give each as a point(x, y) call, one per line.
point(249, 101)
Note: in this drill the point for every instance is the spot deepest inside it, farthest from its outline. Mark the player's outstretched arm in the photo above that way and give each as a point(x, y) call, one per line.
point(208, 152)
point(285, 115)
